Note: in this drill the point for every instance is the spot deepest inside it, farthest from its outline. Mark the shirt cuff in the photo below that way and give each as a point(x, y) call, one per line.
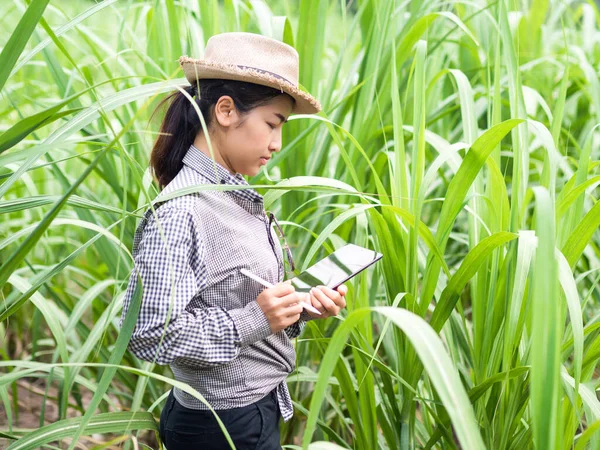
point(251, 323)
point(305, 316)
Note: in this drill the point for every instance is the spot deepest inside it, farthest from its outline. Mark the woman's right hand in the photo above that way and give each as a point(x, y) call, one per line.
point(281, 305)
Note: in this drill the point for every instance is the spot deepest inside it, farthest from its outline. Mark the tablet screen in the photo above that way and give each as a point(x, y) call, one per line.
point(336, 268)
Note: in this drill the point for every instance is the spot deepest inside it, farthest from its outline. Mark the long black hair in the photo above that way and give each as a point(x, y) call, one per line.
point(181, 123)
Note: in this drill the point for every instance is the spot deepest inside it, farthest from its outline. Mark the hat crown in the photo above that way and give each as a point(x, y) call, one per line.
point(249, 50)
point(252, 58)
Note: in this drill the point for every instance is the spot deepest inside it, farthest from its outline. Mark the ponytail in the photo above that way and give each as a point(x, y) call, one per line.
point(181, 123)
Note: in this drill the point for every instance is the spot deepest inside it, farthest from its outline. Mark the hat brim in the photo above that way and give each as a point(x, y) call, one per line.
point(196, 69)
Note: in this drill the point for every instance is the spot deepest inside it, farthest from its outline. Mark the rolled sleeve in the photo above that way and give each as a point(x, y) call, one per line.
point(251, 323)
point(170, 260)
point(295, 329)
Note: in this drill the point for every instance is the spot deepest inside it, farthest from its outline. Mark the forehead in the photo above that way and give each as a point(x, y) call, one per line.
point(281, 104)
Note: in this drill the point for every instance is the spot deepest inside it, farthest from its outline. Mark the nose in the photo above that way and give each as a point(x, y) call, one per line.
point(275, 144)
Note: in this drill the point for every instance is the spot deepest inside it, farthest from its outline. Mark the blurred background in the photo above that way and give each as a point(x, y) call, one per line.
point(458, 138)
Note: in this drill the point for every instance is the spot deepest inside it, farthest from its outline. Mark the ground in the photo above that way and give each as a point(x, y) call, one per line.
point(30, 394)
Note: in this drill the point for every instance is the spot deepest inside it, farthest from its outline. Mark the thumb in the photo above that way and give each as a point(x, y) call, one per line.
point(288, 281)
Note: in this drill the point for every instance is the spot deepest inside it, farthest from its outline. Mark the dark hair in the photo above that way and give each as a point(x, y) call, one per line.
point(181, 123)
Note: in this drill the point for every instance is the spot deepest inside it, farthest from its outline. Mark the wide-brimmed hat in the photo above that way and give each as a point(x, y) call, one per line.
point(253, 58)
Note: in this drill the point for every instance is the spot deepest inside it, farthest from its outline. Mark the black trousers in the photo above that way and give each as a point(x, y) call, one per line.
point(251, 427)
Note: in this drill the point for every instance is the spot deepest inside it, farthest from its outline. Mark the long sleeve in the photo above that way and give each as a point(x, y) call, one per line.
point(295, 329)
point(170, 259)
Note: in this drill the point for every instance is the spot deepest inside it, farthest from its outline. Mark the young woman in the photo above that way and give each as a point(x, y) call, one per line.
point(221, 332)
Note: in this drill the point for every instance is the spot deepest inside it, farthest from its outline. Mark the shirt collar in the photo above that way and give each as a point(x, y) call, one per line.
point(203, 164)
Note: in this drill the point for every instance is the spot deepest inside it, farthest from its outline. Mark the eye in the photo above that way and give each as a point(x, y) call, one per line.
point(271, 125)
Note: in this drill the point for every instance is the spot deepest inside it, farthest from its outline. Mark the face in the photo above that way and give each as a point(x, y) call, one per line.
point(246, 142)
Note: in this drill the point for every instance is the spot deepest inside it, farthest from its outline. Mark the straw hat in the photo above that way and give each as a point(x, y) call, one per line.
point(253, 58)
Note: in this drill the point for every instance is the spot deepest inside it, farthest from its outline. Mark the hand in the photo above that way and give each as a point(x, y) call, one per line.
point(329, 302)
point(281, 305)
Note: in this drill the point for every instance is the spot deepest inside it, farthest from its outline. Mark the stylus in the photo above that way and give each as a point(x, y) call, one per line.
point(266, 284)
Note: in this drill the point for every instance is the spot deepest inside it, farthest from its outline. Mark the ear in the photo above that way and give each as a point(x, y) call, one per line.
point(225, 111)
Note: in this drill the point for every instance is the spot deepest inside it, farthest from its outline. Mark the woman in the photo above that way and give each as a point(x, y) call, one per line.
point(221, 332)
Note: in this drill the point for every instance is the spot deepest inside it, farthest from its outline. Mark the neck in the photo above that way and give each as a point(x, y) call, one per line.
point(201, 144)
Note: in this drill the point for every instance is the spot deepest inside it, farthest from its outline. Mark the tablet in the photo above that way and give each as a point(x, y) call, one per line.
point(336, 268)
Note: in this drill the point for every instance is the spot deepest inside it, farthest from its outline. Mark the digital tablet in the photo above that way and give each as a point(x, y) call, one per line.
point(336, 268)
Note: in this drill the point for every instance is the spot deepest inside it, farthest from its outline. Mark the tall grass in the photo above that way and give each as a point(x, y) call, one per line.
point(457, 138)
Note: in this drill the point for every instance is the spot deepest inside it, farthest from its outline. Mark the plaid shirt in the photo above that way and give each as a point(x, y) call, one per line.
point(199, 313)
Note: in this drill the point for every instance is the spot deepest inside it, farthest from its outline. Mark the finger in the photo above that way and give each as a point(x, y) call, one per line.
point(290, 299)
point(317, 304)
point(281, 289)
point(288, 281)
point(327, 303)
point(309, 300)
point(334, 295)
point(294, 310)
point(293, 319)
point(342, 289)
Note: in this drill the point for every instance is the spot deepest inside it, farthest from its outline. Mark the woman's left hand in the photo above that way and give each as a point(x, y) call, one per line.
point(329, 302)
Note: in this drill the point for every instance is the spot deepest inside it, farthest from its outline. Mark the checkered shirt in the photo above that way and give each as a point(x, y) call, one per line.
point(199, 313)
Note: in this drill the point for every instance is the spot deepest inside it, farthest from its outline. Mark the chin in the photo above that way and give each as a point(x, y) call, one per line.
point(248, 172)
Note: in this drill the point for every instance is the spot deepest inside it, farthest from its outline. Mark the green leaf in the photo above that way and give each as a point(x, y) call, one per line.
point(457, 191)
point(433, 356)
point(469, 267)
point(282, 29)
point(113, 422)
point(582, 234)
point(120, 347)
point(22, 129)
point(18, 39)
point(587, 435)
point(547, 319)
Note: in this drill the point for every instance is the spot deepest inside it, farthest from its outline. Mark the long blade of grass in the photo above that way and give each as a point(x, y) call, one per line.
point(18, 39)
point(113, 422)
point(547, 323)
point(457, 190)
point(433, 356)
point(467, 270)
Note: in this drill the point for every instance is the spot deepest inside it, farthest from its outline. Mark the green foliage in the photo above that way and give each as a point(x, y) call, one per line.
point(457, 138)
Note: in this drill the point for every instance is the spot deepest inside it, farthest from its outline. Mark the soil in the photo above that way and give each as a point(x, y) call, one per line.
point(30, 394)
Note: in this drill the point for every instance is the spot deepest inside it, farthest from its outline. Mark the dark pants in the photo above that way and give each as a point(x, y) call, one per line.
point(251, 427)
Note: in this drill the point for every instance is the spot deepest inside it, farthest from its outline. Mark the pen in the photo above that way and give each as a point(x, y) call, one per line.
point(266, 284)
